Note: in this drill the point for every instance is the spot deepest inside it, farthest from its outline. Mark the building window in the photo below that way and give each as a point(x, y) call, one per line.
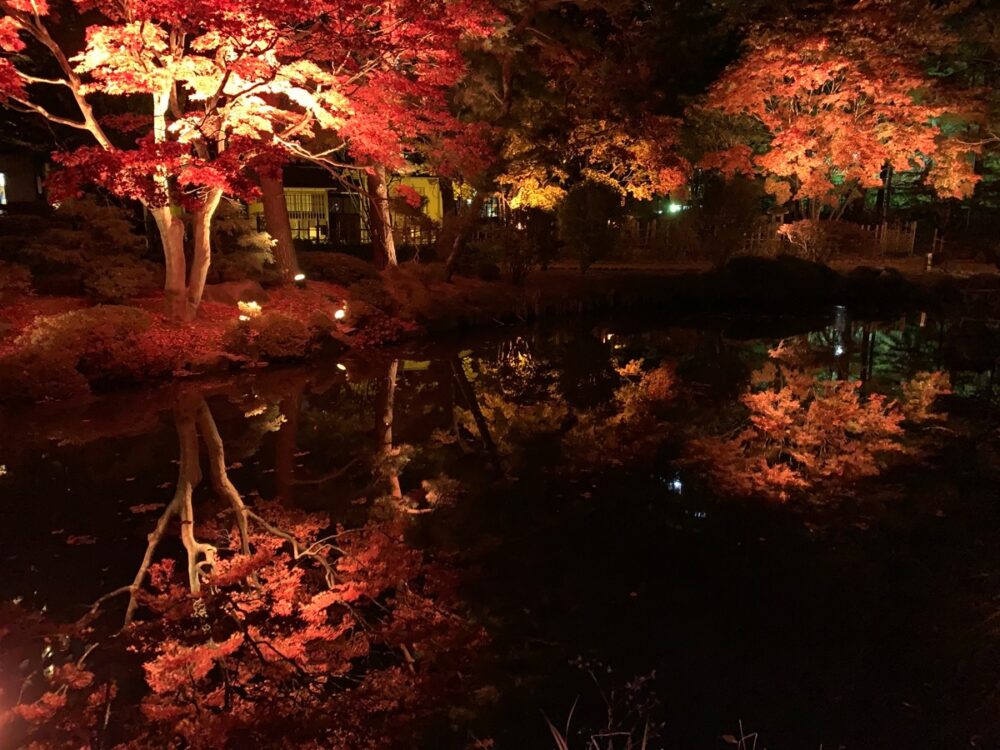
point(3, 188)
point(308, 214)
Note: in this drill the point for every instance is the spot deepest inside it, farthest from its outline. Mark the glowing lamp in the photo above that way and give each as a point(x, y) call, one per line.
point(300, 280)
point(674, 208)
point(341, 367)
point(250, 309)
point(340, 314)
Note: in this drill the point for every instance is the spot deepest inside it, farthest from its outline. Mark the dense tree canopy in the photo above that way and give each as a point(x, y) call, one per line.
point(821, 109)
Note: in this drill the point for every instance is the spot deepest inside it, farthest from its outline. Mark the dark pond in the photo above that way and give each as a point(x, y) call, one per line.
point(592, 534)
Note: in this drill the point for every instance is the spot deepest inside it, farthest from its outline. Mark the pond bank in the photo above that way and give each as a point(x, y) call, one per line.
point(59, 347)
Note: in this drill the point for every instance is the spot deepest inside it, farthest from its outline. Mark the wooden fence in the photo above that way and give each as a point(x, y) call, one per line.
point(894, 239)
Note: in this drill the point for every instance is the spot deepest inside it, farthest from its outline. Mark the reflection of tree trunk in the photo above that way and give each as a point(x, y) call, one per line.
point(385, 436)
point(188, 477)
point(286, 443)
point(191, 413)
point(278, 226)
point(380, 220)
point(217, 472)
point(469, 396)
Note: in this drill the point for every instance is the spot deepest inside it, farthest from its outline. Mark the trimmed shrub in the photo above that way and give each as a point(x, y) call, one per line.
point(239, 250)
point(83, 247)
point(336, 268)
point(119, 278)
point(820, 240)
point(33, 375)
point(101, 341)
point(375, 293)
point(15, 279)
point(514, 249)
point(269, 337)
point(588, 221)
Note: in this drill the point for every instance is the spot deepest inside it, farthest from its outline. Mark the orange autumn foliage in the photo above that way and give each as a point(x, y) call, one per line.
point(804, 434)
point(837, 100)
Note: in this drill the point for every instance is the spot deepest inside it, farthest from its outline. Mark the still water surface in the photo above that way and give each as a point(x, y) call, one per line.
point(855, 616)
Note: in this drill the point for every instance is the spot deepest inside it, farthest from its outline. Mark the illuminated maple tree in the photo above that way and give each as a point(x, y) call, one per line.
point(830, 107)
point(228, 90)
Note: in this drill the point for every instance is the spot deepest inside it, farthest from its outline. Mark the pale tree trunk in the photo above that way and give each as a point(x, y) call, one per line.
point(202, 257)
point(278, 226)
point(379, 219)
point(285, 444)
point(385, 438)
point(171, 230)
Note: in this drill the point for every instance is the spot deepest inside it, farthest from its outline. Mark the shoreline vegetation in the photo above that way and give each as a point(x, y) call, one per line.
point(57, 347)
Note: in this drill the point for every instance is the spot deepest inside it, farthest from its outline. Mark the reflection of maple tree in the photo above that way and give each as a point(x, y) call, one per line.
point(804, 432)
point(633, 427)
point(840, 101)
point(519, 398)
point(280, 631)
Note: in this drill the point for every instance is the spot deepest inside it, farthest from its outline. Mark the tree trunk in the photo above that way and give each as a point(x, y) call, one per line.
point(278, 226)
point(171, 230)
point(385, 436)
point(468, 394)
point(379, 220)
point(463, 228)
point(884, 194)
point(286, 442)
point(202, 251)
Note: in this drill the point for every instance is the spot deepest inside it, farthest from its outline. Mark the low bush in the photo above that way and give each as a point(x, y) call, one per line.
point(57, 355)
point(240, 251)
point(820, 240)
point(336, 268)
point(481, 260)
point(375, 293)
point(513, 249)
point(120, 278)
point(15, 280)
point(102, 341)
point(83, 247)
point(37, 374)
point(269, 337)
point(588, 222)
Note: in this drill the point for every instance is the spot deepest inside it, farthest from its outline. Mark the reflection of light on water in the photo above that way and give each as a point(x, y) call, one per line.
point(674, 484)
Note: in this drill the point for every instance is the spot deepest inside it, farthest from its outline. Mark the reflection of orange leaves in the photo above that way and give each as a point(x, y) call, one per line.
point(802, 432)
point(80, 539)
